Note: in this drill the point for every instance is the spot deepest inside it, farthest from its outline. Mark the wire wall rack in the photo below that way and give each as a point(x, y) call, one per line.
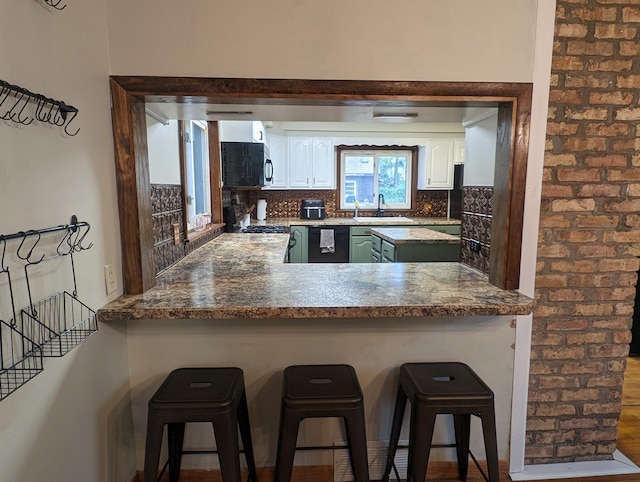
point(22, 106)
point(48, 327)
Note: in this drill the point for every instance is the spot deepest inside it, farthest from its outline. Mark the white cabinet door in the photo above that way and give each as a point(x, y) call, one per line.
point(279, 154)
point(458, 151)
point(437, 169)
point(323, 163)
point(299, 162)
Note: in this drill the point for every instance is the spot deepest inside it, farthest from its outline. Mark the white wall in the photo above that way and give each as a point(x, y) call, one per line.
point(63, 424)
point(452, 40)
point(163, 145)
point(480, 149)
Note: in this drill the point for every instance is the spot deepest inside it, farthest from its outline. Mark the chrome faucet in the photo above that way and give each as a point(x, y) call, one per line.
point(380, 203)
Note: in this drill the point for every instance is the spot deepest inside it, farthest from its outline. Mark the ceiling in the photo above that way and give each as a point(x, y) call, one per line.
point(315, 113)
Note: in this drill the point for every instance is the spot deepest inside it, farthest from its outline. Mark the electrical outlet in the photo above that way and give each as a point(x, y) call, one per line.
point(474, 246)
point(110, 278)
point(176, 234)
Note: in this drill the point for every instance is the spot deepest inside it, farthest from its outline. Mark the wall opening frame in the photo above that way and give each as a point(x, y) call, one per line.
point(129, 94)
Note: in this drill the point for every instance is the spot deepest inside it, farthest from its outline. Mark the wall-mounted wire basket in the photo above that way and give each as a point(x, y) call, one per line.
point(21, 359)
point(60, 322)
point(50, 327)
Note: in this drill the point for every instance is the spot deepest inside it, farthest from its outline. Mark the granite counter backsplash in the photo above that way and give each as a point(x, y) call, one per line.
point(244, 276)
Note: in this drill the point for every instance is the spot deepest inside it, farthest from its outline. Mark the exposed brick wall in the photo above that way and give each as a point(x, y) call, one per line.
point(588, 240)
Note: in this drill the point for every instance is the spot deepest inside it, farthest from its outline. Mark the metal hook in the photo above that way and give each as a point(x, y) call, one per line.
point(64, 238)
point(53, 4)
point(79, 246)
point(3, 267)
point(65, 110)
point(27, 119)
point(27, 258)
point(73, 245)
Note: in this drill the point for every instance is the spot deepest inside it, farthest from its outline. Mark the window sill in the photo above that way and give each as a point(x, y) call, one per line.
point(194, 235)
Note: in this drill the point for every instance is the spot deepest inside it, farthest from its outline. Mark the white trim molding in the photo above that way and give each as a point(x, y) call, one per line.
point(618, 466)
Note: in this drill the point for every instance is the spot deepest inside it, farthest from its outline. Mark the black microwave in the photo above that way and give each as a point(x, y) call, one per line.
point(245, 164)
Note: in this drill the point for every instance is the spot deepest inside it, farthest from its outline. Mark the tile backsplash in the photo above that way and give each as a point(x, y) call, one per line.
point(286, 204)
point(477, 210)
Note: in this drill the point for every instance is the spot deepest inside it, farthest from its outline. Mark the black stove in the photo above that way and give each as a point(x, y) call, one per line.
point(264, 229)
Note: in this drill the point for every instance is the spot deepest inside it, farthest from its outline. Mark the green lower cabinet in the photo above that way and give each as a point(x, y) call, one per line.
point(360, 244)
point(300, 251)
point(386, 252)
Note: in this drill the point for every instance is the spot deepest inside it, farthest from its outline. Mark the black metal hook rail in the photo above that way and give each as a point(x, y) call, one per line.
point(19, 105)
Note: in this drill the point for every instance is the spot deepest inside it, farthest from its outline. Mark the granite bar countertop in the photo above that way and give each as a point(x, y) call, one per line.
point(244, 276)
point(414, 236)
point(361, 221)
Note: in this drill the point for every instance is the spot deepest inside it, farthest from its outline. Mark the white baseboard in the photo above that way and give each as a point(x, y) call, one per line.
point(619, 465)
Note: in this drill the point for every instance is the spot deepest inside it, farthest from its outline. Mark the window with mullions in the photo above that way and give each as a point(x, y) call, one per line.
point(367, 173)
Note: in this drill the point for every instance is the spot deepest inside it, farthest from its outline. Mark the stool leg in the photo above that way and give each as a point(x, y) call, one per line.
point(287, 438)
point(245, 433)
point(357, 441)
point(175, 437)
point(152, 448)
point(225, 428)
point(396, 426)
point(420, 436)
point(490, 443)
point(462, 425)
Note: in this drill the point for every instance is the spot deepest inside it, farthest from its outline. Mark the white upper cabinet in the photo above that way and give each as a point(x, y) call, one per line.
point(279, 155)
point(311, 163)
point(435, 164)
point(299, 162)
point(323, 163)
point(458, 151)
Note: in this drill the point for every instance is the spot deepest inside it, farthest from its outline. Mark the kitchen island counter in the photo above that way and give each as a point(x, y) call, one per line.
point(414, 236)
point(245, 276)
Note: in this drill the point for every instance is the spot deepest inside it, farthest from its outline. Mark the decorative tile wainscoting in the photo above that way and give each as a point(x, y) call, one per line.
point(286, 204)
point(166, 210)
point(477, 211)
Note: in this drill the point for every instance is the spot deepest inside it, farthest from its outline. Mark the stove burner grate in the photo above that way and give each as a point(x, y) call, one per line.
point(264, 229)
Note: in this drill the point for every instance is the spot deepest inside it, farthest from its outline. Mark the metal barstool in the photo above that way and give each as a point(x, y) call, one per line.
point(312, 391)
point(215, 395)
point(442, 388)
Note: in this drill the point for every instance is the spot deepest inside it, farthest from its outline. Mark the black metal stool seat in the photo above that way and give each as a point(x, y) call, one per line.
point(442, 388)
point(313, 391)
point(215, 395)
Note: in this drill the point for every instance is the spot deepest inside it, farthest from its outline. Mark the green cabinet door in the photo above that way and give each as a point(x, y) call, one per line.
point(300, 251)
point(360, 244)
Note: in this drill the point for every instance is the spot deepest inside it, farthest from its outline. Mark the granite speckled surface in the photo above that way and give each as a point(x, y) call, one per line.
point(414, 236)
point(244, 276)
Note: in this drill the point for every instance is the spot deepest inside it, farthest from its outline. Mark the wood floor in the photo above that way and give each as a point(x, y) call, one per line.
point(628, 444)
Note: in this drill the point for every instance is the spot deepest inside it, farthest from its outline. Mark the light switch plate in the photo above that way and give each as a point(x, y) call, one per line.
point(110, 278)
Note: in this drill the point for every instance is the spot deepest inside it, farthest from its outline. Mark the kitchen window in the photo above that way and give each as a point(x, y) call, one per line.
point(369, 174)
point(197, 176)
